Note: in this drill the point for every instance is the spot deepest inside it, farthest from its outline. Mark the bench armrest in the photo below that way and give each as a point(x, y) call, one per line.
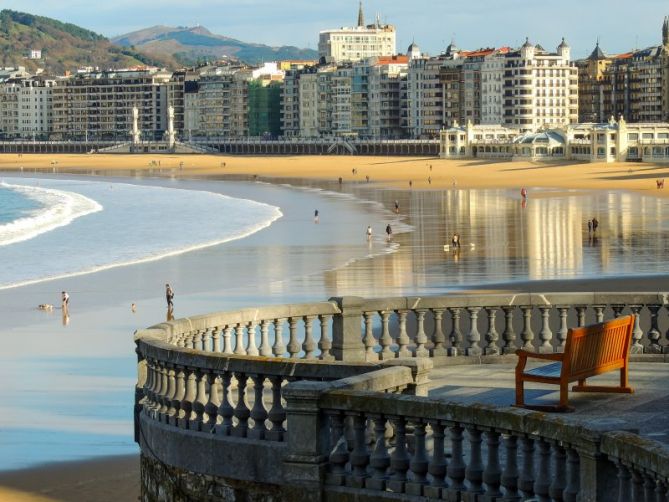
point(523, 355)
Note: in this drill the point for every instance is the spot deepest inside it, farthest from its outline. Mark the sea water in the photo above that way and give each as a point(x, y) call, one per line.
point(58, 228)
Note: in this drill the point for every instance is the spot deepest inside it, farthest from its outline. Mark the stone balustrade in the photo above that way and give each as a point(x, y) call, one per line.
point(326, 401)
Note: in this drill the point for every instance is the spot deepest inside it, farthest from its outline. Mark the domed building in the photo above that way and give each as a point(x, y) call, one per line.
point(414, 51)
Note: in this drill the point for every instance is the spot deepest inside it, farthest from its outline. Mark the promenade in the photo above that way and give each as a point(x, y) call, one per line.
point(493, 384)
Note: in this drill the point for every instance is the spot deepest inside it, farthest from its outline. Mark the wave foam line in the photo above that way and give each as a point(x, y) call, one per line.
point(59, 209)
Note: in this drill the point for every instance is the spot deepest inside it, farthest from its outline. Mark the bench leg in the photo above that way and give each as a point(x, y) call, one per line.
point(520, 392)
point(564, 397)
point(623, 388)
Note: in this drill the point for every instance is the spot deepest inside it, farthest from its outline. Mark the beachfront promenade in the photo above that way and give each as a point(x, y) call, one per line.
point(396, 399)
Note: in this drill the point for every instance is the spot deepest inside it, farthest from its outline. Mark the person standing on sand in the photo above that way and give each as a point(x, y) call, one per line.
point(397, 206)
point(589, 226)
point(369, 233)
point(316, 218)
point(595, 224)
point(65, 300)
point(169, 296)
point(389, 232)
point(455, 241)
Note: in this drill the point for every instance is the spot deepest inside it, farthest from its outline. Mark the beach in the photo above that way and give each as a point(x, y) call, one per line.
point(385, 171)
point(284, 263)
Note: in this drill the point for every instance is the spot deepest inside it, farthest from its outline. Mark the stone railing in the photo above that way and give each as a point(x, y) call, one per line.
point(324, 401)
point(354, 329)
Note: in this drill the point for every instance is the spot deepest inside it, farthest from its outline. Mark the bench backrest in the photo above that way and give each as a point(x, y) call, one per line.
point(595, 349)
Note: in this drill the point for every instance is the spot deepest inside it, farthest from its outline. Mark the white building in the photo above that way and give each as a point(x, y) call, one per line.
point(492, 87)
point(357, 43)
point(35, 105)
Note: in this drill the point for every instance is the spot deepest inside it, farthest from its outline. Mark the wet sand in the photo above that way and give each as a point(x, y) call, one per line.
point(103, 321)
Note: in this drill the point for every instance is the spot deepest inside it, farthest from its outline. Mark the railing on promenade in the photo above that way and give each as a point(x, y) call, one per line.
point(316, 406)
point(352, 329)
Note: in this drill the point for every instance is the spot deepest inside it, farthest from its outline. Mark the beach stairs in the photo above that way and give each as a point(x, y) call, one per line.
point(117, 148)
point(194, 148)
point(339, 146)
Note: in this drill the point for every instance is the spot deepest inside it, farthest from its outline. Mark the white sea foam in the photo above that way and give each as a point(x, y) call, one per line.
point(59, 208)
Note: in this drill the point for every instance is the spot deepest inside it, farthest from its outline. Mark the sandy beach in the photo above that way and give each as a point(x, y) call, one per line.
point(386, 171)
point(218, 278)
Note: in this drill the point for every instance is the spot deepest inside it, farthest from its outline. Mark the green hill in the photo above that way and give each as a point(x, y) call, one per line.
point(64, 46)
point(192, 44)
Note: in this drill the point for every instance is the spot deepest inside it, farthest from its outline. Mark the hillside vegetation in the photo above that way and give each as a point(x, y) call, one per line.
point(64, 46)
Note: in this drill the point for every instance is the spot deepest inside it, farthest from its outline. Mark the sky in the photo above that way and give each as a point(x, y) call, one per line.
point(621, 25)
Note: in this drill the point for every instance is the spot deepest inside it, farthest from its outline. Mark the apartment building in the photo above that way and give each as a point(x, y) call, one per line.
point(357, 43)
point(540, 88)
point(342, 120)
point(99, 105)
point(34, 107)
point(387, 95)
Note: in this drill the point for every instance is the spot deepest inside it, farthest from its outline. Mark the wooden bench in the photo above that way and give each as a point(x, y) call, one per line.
point(589, 351)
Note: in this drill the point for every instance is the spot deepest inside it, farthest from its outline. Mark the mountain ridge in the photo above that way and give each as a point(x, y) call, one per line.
point(192, 44)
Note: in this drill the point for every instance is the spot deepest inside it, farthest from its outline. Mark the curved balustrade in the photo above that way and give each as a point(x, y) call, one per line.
point(325, 398)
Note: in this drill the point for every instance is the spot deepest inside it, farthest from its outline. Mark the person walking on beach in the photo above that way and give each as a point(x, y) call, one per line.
point(369, 233)
point(397, 207)
point(523, 192)
point(316, 218)
point(455, 241)
point(595, 224)
point(65, 300)
point(169, 296)
point(389, 232)
point(589, 226)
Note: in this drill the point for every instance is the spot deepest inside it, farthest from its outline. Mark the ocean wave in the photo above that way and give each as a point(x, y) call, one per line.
point(59, 208)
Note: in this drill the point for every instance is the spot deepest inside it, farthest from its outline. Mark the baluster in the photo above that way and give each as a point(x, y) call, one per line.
point(225, 410)
point(557, 486)
point(510, 475)
point(491, 337)
point(309, 345)
point(216, 339)
point(386, 340)
point(421, 337)
point(637, 333)
point(227, 339)
point(186, 406)
point(419, 461)
point(474, 337)
point(456, 468)
point(294, 346)
point(474, 471)
point(509, 335)
point(198, 338)
point(265, 347)
point(241, 412)
point(239, 340)
point(279, 345)
point(197, 417)
point(543, 481)
point(546, 335)
point(379, 460)
point(149, 386)
point(438, 464)
point(163, 412)
point(580, 314)
point(649, 487)
point(654, 334)
point(570, 493)
point(258, 412)
point(360, 454)
point(162, 389)
point(181, 340)
point(368, 340)
point(211, 408)
point(251, 348)
point(617, 310)
point(624, 483)
point(527, 335)
point(403, 338)
point(637, 486)
point(438, 336)
point(339, 454)
point(599, 312)
point(493, 472)
point(207, 338)
point(562, 332)
point(399, 459)
point(456, 335)
point(526, 480)
point(175, 404)
point(325, 343)
point(277, 413)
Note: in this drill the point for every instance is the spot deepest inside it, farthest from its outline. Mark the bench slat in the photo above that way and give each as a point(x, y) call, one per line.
point(547, 370)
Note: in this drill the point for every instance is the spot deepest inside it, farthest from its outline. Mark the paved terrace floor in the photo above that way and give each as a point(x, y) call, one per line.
point(647, 409)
